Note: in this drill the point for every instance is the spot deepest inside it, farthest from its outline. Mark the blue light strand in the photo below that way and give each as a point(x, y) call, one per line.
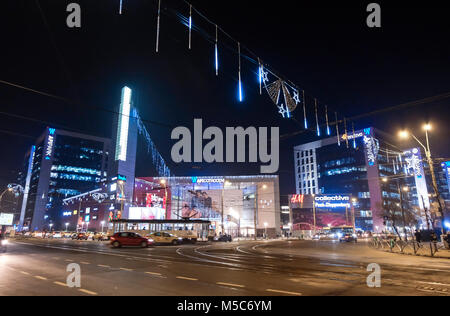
point(217, 52)
point(190, 26)
point(120, 7)
point(328, 123)
point(337, 130)
point(241, 97)
point(317, 118)
point(304, 110)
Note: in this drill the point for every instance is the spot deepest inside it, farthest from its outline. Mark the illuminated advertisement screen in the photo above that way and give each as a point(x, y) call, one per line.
point(6, 219)
point(147, 213)
point(331, 210)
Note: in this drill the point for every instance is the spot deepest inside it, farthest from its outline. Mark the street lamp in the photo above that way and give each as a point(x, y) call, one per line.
point(103, 224)
point(50, 225)
point(67, 224)
point(428, 127)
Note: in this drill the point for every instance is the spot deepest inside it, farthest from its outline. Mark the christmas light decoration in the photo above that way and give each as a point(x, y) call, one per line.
point(217, 51)
point(241, 97)
point(317, 117)
point(304, 110)
point(337, 130)
point(158, 25)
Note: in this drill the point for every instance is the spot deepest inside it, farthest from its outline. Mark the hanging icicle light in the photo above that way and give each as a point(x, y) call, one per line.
point(260, 75)
point(241, 97)
point(190, 26)
point(158, 26)
point(317, 117)
point(346, 131)
point(337, 130)
point(304, 110)
point(354, 135)
point(120, 7)
point(217, 51)
point(328, 124)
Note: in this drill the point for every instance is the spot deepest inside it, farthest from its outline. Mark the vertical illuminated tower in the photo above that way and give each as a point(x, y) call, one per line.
point(125, 143)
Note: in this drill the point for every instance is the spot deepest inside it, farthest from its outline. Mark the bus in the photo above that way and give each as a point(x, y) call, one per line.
point(190, 230)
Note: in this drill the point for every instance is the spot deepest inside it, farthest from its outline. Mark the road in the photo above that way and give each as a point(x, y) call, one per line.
point(250, 268)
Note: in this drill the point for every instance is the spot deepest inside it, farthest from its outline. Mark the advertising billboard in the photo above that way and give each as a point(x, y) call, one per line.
point(330, 210)
point(6, 219)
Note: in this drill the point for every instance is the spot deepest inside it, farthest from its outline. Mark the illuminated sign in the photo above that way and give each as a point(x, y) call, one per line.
point(359, 134)
point(297, 198)
point(372, 146)
point(87, 219)
point(50, 143)
point(124, 124)
point(207, 180)
point(67, 214)
point(6, 219)
point(332, 201)
point(446, 169)
point(414, 166)
point(121, 178)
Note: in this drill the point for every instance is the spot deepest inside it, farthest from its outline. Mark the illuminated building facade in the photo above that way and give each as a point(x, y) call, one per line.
point(61, 164)
point(355, 165)
point(237, 204)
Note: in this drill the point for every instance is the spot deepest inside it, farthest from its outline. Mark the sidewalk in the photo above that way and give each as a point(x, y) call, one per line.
point(426, 249)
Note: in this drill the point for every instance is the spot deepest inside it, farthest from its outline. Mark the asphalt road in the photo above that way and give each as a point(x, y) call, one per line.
point(263, 268)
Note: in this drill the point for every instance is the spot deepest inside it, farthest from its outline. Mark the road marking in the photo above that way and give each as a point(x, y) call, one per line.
point(230, 284)
point(55, 258)
point(186, 278)
point(68, 260)
point(40, 277)
point(85, 262)
point(24, 272)
point(103, 266)
point(60, 283)
point(284, 292)
point(153, 273)
point(125, 269)
point(87, 292)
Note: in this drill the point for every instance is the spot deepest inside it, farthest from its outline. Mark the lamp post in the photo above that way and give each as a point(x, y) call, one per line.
point(427, 128)
point(103, 224)
point(354, 200)
point(67, 224)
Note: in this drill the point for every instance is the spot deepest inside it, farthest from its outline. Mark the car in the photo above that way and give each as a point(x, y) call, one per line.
point(223, 238)
point(119, 240)
point(57, 235)
point(100, 237)
point(80, 236)
point(348, 238)
point(3, 244)
point(165, 238)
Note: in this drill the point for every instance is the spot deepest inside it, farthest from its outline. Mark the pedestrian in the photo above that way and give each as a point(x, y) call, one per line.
point(418, 235)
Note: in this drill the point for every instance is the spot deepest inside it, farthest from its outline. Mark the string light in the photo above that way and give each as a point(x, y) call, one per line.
point(337, 130)
point(158, 26)
point(326, 116)
point(317, 117)
point(354, 135)
point(190, 26)
point(304, 110)
point(346, 131)
point(260, 76)
point(241, 98)
point(120, 7)
point(217, 51)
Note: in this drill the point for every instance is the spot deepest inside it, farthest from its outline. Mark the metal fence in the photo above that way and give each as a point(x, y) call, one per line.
point(408, 247)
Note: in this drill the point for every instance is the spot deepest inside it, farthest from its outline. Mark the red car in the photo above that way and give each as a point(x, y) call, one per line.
point(130, 239)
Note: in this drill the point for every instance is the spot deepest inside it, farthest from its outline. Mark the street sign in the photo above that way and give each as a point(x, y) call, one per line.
point(6, 219)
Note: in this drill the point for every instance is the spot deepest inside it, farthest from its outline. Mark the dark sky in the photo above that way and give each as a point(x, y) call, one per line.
point(324, 47)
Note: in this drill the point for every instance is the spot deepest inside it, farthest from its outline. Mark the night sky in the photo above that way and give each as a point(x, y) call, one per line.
point(324, 48)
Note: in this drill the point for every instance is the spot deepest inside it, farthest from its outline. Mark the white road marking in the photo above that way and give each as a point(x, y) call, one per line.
point(60, 283)
point(284, 292)
point(186, 278)
point(24, 272)
point(40, 277)
point(230, 284)
point(87, 292)
point(126, 269)
point(103, 266)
